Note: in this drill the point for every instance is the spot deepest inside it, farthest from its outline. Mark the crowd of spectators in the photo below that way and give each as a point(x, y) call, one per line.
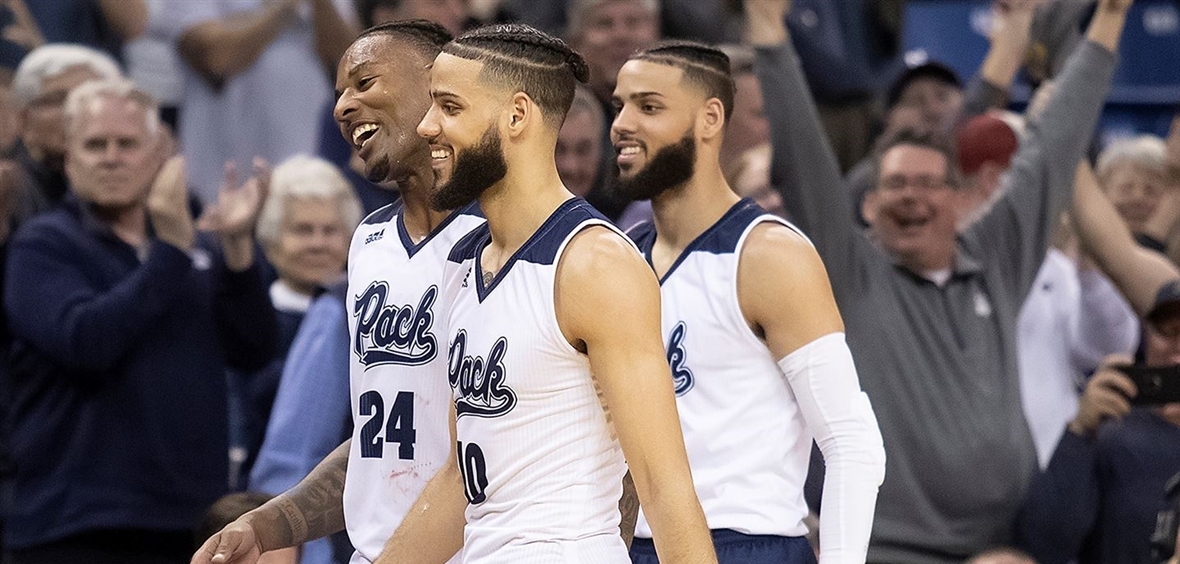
point(176, 203)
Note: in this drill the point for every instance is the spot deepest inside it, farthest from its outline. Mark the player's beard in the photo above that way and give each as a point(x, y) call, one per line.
point(670, 167)
point(475, 170)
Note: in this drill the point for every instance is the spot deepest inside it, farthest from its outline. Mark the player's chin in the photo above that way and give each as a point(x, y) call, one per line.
point(378, 170)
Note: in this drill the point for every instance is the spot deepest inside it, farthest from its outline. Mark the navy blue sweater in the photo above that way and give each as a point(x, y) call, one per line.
point(118, 385)
point(1097, 501)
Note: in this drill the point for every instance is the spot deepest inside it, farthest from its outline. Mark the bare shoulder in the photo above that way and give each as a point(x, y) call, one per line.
point(597, 254)
point(601, 278)
point(772, 247)
point(783, 289)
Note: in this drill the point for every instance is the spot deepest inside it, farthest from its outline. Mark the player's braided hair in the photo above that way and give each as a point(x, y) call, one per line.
point(704, 66)
point(521, 57)
point(424, 35)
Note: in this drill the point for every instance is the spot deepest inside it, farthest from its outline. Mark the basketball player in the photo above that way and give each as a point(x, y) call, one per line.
point(554, 351)
point(756, 344)
point(401, 432)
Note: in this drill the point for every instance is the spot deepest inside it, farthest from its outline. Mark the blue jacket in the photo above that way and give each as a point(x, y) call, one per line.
point(118, 387)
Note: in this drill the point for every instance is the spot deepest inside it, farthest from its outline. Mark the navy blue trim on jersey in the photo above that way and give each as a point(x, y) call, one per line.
point(540, 248)
point(719, 239)
point(408, 243)
point(383, 214)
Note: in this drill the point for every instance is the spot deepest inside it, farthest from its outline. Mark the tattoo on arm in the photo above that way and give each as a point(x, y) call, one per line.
point(628, 509)
point(314, 508)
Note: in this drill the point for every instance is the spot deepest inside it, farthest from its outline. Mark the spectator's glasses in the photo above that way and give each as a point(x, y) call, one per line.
point(924, 183)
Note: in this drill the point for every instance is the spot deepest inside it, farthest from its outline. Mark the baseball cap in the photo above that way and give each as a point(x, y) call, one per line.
point(927, 69)
point(983, 139)
point(1167, 302)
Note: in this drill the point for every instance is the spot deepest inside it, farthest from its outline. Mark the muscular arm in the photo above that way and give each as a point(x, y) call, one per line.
point(606, 281)
point(784, 294)
point(220, 48)
point(1138, 272)
point(312, 509)
point(432, 531)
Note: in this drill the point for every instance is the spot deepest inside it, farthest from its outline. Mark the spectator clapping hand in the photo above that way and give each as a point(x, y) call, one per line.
point(167, 205)
point(235, 213)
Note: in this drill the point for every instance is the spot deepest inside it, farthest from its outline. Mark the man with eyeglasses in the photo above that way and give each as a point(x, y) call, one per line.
point(930, 312)
point(42, 81)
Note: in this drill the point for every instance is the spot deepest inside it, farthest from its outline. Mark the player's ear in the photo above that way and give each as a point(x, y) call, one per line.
point(522, 111)
point(711, 118)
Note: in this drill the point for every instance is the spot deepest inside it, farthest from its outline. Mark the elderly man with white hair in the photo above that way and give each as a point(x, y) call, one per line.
point(40, 86)
point(304, 228)
point(124, 320)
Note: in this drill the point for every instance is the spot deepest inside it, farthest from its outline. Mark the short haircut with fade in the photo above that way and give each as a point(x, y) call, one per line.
point(707, 68)
point(424, 35)
point(525, 59)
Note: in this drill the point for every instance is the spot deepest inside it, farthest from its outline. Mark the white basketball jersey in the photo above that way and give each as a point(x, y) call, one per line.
point(401, 435)
point(747, 443)
point(541, 464)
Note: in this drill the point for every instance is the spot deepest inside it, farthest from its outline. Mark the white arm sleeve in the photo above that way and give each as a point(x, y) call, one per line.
point(823, 378)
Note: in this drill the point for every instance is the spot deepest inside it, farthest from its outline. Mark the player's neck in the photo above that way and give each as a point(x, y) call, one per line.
point(516, 206)
point(420, 219)
point(683, 213)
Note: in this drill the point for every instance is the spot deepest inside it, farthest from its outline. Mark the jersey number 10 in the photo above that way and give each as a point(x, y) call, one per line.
point(475, 472)
point(399, 428)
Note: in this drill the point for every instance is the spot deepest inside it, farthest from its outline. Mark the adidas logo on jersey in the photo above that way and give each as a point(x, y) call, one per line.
point(388, 334)
point(682, 378)
point(375, 236)
point(480, 383)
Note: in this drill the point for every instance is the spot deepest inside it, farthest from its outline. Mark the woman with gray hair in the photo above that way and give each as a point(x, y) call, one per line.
point(304, 229)
point(1135, 174)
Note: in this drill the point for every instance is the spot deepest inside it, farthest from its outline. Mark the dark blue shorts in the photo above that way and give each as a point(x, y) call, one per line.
point(737, 548)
